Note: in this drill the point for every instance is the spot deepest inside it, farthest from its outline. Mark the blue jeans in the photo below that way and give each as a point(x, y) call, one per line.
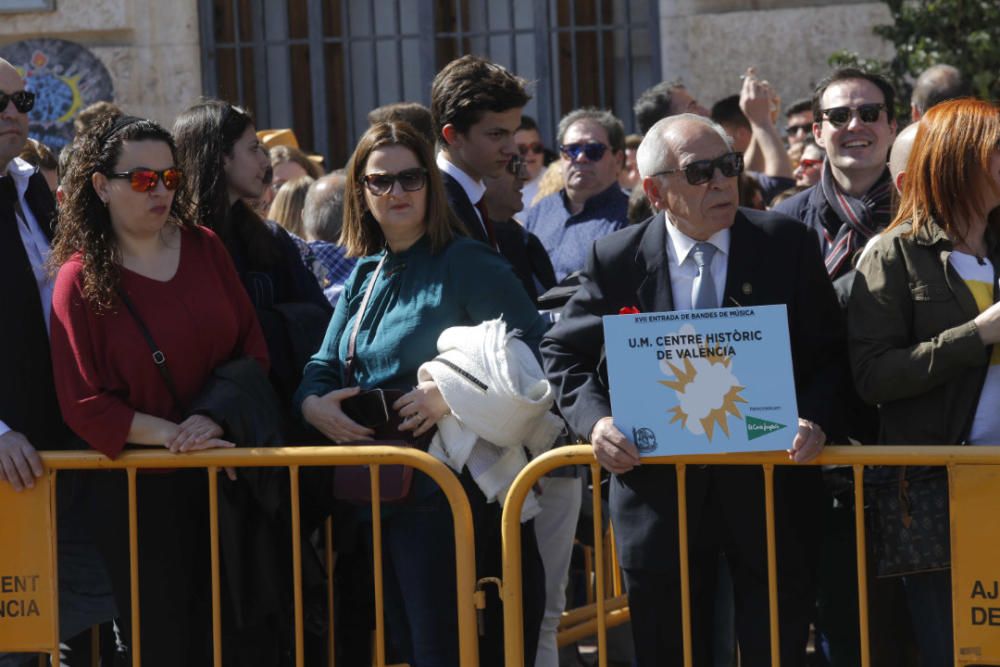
point(418, 569)
point(929, 598)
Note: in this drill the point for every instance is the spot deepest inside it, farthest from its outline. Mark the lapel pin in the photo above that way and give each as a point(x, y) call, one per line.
point(747, 288)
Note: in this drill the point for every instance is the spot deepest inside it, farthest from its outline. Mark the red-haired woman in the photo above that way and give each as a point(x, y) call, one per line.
point(923, 319)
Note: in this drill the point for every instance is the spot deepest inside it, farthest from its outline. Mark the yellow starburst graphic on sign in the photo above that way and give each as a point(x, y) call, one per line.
point(684, 377)
point(712, 398)
point(718, 415)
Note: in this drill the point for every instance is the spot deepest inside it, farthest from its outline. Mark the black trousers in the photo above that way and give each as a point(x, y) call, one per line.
point(734, 525)
point(174, 569)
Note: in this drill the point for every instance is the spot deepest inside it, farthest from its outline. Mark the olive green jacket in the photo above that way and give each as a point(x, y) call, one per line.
point(914, 348)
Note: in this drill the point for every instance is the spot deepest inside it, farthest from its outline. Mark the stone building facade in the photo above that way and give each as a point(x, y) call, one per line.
point(151, 49)
point(708, 43)
point(155, 52)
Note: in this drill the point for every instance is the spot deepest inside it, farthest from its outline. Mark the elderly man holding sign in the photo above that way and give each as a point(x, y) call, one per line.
point(702, 252)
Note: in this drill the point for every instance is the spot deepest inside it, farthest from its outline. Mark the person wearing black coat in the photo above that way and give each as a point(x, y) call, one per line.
point(761, 258)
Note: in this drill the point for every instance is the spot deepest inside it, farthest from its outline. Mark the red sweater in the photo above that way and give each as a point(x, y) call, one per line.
point(103, 367)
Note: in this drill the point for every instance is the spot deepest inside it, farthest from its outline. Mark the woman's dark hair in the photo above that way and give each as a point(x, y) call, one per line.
point(361, 234)
point(84, 222)
point(205, 134)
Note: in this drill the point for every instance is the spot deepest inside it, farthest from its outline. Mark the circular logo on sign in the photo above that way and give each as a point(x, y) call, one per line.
point(65, 78)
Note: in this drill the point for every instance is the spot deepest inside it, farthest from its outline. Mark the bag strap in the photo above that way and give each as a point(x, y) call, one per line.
point(352, 341)
point(462, 372)
point(159, 358)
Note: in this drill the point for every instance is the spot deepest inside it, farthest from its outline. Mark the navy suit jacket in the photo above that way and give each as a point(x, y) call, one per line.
point(463, 208)
point(772, 260)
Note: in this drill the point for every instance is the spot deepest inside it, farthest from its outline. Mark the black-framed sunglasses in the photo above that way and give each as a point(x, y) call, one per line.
point(841, 116)
point(592, 151)
point(518, 167)
point(701, 171)
point(24, 100)
point(792, 130)
point(144, 180)
point(410, 180)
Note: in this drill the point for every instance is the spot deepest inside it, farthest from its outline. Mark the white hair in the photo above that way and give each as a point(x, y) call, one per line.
point(652, 151)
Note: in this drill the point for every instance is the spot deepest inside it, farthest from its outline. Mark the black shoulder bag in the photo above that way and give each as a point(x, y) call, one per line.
point(263, 429)
point(373, 408)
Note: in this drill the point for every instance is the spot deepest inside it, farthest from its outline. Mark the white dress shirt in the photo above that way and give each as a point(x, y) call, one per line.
point(683, 269)
point(36, 244)
point(474, 189)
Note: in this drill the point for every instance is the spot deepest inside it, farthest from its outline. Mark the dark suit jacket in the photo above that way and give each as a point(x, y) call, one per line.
point(773, 257)
point(463, 208)
point(526, 255)
point(27, 394)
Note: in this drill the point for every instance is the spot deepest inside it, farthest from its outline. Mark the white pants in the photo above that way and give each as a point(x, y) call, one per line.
point(555, 528)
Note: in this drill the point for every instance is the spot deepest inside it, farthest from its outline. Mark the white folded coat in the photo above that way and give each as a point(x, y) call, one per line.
point(500, 404)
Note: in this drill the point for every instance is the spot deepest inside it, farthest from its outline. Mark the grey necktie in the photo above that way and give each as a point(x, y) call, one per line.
point(703, 291)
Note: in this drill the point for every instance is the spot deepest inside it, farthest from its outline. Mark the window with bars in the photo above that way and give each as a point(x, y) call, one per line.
point(319, 66)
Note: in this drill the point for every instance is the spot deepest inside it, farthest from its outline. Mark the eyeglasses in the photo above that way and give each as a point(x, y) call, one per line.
point(792, 130)
point(537, 148)
point(841, 116)
point(144, 180)
point(24, 100)
point(518, 167)
point(593, 152)
point(410, 180)
point(701, 171)
point(809, 164)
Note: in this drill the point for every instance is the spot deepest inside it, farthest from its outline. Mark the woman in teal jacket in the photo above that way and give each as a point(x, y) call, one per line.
point(432, 277)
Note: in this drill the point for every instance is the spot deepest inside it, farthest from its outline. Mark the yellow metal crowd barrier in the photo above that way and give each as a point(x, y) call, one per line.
point(608, 611)
point(581, 622)
point(293, 459)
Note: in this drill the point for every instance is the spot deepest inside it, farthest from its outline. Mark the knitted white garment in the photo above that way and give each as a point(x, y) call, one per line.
point(488, 428)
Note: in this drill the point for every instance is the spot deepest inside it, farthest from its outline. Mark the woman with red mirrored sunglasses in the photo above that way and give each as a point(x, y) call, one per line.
point(810, 166)
point(134, 273)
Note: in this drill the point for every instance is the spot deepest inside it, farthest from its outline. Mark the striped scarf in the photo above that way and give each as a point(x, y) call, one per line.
point(861, 218)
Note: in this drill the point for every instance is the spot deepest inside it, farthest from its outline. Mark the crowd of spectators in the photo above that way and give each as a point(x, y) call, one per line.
point(210, 286)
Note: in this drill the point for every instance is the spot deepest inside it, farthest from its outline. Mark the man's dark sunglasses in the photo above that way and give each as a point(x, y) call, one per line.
point(144, 180)
point(701, 171)
point(841, 116)
point(593, 152)
point(24, 100)
point(410, 180)
point(518, 167)
point(792, 130)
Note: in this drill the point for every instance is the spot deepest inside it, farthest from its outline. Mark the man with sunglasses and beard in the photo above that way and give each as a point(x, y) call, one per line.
point(29, 411)
point(702, 251)
point(855, 124)
point(591, 205)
